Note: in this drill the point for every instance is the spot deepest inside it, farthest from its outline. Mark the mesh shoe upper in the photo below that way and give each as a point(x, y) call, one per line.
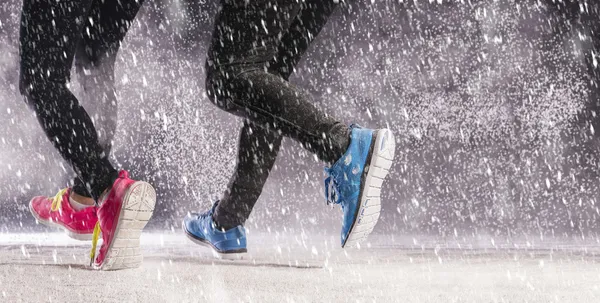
point(59, 211)
point(201, 227)
point(344, 178)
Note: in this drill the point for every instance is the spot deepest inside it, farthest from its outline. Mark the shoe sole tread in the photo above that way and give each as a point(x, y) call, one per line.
point(138, 206)
point(370, 200)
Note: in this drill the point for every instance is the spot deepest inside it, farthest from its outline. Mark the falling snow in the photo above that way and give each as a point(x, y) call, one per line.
point(483, 96)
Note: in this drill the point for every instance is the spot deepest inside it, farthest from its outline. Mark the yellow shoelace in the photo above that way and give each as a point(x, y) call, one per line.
point(94, 242)
point(95, 237)
point(57, 200)
point(57, 203)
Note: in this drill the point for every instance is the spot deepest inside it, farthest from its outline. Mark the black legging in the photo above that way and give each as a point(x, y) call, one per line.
point(52, 33)
point(251, 82)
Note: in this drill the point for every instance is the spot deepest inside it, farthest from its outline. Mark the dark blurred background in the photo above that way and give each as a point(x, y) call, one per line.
point(482, 95)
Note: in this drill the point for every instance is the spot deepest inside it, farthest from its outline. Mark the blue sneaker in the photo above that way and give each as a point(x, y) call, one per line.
point(201, 229)
point(354, 181)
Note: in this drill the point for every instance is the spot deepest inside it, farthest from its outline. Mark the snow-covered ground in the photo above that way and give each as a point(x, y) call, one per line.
point(302, 268)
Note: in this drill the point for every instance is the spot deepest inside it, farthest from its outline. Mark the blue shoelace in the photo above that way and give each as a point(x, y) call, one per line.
point(332, 192)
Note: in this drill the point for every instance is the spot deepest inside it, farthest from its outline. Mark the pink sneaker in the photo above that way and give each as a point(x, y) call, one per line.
point(57, 212)
point(123, 213)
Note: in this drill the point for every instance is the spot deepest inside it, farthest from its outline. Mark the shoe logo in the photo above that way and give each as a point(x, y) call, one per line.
point(362, 213)
point(348, 160)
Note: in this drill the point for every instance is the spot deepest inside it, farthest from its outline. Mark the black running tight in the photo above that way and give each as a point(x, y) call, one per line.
point(52, 34)
point(271, 106)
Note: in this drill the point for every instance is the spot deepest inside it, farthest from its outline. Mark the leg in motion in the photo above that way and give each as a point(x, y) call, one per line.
point(258, 146)
point(267, 99)
point(49, 34)
point(104, 30)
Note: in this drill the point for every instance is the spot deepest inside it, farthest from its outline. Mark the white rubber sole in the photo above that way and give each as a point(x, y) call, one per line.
point(124, 250)
point(70, 233)
point(370, 200)
point(216, 254)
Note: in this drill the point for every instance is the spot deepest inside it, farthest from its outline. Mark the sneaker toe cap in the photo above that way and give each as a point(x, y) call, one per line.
point(40, 206)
